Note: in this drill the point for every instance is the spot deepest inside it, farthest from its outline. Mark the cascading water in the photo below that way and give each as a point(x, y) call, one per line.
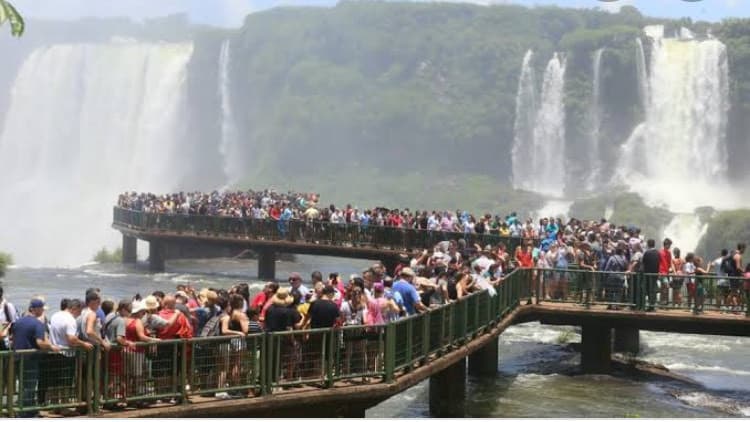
point(686, 231)
point(85, 123)
point(595, 122)
point(682, 139)
point(523, 130)
point(640, 63)
point(229, 137)
point(544, 172)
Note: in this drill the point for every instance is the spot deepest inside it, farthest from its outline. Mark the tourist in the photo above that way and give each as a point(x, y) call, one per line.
point(29, 333)
point(651, 268)
point(408, 292)
point(665, 269)
point(89, 324)
point(7, 316)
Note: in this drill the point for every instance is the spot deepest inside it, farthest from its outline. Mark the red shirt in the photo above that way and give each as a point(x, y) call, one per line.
point(180, 329)
point(258, 301)
point(524, 258)
point(665, 259)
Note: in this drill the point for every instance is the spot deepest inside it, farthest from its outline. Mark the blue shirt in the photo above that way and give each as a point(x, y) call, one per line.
point(26, 331)
point(408, 294)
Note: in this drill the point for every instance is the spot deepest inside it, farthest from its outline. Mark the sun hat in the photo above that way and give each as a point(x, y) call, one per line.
point(282, 297)
point(151, 303)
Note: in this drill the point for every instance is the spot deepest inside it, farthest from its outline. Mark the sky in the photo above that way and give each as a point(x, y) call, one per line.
point(232, 12)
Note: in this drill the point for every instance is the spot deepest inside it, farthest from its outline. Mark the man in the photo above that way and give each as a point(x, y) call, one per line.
point(665, 268)
point(179, 329)
point(62, 333)
point(295, 281)
point(89, 324)
point(408, 292)
point(650, 266)
point(28, 333)
point(8, 315)
point(722, 283)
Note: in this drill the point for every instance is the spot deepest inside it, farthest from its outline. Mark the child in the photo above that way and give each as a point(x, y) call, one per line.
point(699, 289)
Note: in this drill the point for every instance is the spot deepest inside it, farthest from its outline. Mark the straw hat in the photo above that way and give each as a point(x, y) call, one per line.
point(151, 303)
point(137, 306)
point(282, 297)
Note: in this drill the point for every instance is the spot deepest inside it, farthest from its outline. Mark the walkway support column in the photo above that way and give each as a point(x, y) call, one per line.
point(596, 349)
point(156, 253)
point(129, 249)
point(627, 340)
point(448, 391)
point(483, 362)
point(266, 264)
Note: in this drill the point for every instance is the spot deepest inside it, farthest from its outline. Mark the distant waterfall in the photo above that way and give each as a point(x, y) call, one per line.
point(640, 63)
point(523, 131)
point(685, 231)
point(228, 147)
point(548, 152)
point(86, 122)
point(595, 123)
point(682, 140)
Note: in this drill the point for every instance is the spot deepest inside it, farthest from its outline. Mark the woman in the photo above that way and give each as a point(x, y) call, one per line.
point(689, 267)
point(233, 322)
point(353, 314)
point(680, 265)
point(378, 306)
point(615, 267)
point(135, 357)
point(700, 290)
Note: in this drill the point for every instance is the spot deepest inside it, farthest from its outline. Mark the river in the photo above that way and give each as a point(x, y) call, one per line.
point(537, 368)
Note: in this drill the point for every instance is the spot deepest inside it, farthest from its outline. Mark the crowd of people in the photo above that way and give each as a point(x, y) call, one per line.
point(563, 259)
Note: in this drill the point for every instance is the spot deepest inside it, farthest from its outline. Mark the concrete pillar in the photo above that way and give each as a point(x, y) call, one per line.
point(266, 265)
point(129, 249)
point(448, 391)
point(483, 362)
point(596, 349)
point(156, 253)
point(627, 340)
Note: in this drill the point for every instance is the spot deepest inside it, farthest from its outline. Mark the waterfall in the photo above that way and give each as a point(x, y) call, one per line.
point(86, 122)
point(595, 122)
point(523, 128)
point(682, 141)
point(640, 63)
point(686, 231)
point(547, 169)
point(228, 147)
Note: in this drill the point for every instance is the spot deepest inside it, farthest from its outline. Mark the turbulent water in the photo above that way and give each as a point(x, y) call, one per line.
point(544, 171)
point(537, 370)
point(85, 122)
point(682, 140)
point(229, 137)
point(523, 131)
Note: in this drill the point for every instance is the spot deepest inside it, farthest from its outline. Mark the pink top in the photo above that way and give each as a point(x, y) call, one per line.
point(375, 311)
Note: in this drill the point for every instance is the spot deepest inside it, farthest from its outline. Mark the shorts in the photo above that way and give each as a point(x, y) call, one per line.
point(746, 285)
point(735, 284)
point(663, 282)
point(676, 283)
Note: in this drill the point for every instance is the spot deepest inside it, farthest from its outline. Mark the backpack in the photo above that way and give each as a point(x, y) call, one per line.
point(728, 266)
point(212, 328)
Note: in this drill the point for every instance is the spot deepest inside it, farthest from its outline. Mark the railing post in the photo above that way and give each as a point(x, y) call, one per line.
point(11, 383)
point(89, 380)
point(390, 352)
point(409, 335)
point(425, 337)
point(329, 356)
point(97, 377)
point(183, 372)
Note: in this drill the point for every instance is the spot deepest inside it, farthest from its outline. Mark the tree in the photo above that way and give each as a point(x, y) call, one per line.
point(10, 14)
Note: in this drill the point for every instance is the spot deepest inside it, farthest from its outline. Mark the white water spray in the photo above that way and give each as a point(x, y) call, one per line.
point(595, 122)
point(229, 146)
point(86, 122)
point(523, 128)
point(544, 172)
point(682, 142)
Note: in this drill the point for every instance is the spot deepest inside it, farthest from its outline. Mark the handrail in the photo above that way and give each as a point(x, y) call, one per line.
point(257, 364)
point(267, 363)
point(322, 232)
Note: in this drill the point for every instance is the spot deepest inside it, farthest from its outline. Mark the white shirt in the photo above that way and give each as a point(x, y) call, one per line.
point(61, 325)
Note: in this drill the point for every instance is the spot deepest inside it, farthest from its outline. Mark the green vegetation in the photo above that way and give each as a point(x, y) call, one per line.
point(6, 260)
point(103, 256)
point(9, 14)
point(725, 230)
point(628, 209)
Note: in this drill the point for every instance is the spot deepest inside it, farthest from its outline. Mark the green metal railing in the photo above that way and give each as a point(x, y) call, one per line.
point(641, 291)
point(321, 232)
point(254, 365)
